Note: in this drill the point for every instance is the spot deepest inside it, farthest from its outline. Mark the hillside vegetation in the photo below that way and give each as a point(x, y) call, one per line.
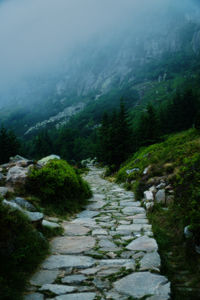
point(175, 162)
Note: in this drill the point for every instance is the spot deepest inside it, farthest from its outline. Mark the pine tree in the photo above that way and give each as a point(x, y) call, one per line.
point(9, 145)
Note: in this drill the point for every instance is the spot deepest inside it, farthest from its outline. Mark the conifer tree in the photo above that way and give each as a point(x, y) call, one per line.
point(9, 145)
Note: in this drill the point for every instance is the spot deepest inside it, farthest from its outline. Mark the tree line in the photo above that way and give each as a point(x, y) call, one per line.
point(115, 139)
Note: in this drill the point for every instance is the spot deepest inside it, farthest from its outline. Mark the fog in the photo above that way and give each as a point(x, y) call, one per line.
point(36, 36)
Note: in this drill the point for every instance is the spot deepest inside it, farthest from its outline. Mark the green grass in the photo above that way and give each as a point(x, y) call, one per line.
point(178, 160)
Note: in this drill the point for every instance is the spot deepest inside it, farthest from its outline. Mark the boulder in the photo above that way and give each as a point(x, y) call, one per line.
point(50, 224)
point(160, 196)
point(3, 191)
point(24, 203)
point(46, 159)
point(149, 206)
point(34, 217)
point(16, 176)
point(17, 158)
point(148, 196)
point(12, 205)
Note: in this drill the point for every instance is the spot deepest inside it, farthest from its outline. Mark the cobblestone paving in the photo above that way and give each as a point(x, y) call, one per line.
point(107, 252)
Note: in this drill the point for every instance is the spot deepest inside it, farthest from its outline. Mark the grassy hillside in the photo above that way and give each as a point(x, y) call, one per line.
point(175, 161)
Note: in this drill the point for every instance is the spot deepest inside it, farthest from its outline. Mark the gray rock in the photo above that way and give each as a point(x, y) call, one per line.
point(46, 159)
point(50, 224)
point(75, 230)
point(44, 277)
point(77, 296)
point(17, 158)
point(24, 204)
point(149, 206)
point(141, 284)
point(107, 244)
point(133, 227)
point(133, 210)
point(148, 196)
point(127, 263)
point(68, 261)
point(34, 216)
point(160, 196)
point(12, 205)
point(143, 243)
point(99, 232)
point(16, 175)
point(35, 296)
point(87, 214)
point(150, 261)
point(3, 191)
point(74, 279)
point(96, 205)
point(58, 289)
point(72, 245)
point(161, 185)
point(140, 221)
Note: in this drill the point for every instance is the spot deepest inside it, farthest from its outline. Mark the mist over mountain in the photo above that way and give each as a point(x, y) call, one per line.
point(61, 53)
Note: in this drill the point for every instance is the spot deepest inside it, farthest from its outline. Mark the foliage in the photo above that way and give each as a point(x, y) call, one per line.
point(188, 193)
point(22, 249)
point(9, 145)
point(57, 184)
point(114, 138)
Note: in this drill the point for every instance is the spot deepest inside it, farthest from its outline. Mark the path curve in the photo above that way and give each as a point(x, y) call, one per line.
point(107, 252)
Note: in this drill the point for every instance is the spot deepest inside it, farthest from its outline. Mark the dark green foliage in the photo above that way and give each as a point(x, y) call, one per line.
point(114, 138)
point(149, 127)
point(58, 185)
point(22, 248)
point(9, 145)
point(188, 193)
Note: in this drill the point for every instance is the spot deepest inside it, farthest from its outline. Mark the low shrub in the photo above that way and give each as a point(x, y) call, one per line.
point(59, 186)
point(22, 248)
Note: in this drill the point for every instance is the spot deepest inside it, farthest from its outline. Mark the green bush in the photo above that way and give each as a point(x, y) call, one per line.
point(57, 184)
point(22, 248)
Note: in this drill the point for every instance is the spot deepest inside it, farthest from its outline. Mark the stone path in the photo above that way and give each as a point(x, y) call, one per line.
point(107, 252)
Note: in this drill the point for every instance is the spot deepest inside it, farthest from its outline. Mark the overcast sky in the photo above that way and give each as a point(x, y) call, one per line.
point(36, 34)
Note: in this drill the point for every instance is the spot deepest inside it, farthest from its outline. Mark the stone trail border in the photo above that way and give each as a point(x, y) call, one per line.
point(107, 252)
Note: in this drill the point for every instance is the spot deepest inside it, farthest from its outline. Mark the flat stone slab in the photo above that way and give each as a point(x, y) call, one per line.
point(143, 243)
point(74, 279)
point(128, 263)
point(71, 245)
point(107, 244)
point(150, 261)
point(134, 227)
point(58, 289)
point(50, 224)
point(87, 222)
point(87, 214)
point(130, 203)
point(133, 210)
point(35, 296)
point(68, 261)
point(75, 230)
point(141, 284)
point(44, 277)
point(77, 296)
point(96, 205)
point(99, 232)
